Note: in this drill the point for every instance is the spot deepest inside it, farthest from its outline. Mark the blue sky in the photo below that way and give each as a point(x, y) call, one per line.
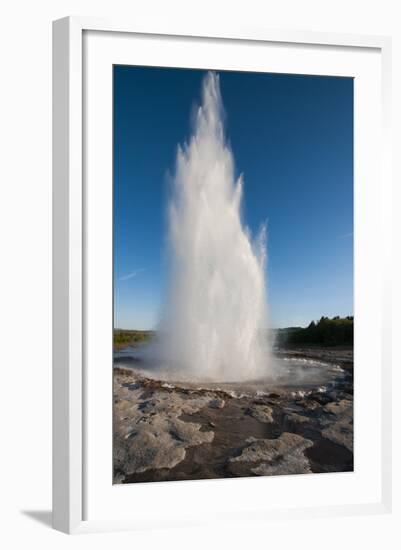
point(292, 138)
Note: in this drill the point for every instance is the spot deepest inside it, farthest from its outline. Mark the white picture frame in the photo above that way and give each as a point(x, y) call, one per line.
point(70, 285)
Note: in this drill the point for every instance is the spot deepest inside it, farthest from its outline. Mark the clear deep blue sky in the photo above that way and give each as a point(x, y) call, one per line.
point(292, 138)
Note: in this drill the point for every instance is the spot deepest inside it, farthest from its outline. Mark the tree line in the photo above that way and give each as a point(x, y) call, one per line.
point(326, 331)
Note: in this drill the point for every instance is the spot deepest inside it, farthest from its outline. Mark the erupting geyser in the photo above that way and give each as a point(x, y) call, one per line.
point(214, 324)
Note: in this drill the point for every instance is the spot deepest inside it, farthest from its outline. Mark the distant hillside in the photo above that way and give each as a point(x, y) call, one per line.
point(327, 332)
point(122, 337)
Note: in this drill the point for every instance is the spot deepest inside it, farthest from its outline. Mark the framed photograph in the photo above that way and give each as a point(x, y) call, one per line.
point(221, 305)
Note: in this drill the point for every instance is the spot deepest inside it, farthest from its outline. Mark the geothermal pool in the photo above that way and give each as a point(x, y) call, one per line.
point(293, 374)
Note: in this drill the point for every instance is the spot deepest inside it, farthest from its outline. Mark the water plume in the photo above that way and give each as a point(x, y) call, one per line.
point(214, 323)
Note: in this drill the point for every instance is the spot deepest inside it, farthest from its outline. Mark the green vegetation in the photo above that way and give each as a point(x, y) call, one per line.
point(338, 331)
point(122, 338)
point(326, 332)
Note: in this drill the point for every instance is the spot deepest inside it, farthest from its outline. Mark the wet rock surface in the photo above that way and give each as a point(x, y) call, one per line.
point(148, 433)
point(284, 455)
point(167, 431)
point(340, 430)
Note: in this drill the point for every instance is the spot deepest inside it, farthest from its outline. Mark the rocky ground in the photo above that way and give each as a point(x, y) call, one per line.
point(165, 431)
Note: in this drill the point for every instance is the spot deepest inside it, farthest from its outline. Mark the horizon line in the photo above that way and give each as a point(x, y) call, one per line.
point(154, 329)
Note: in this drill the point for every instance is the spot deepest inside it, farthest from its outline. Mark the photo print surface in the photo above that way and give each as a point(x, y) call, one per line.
point(233, 274)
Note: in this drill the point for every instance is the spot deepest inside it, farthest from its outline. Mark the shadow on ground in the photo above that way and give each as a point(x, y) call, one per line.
point(41, 516)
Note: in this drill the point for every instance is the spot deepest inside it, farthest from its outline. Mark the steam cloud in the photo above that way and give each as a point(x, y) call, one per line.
point(214, 323)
